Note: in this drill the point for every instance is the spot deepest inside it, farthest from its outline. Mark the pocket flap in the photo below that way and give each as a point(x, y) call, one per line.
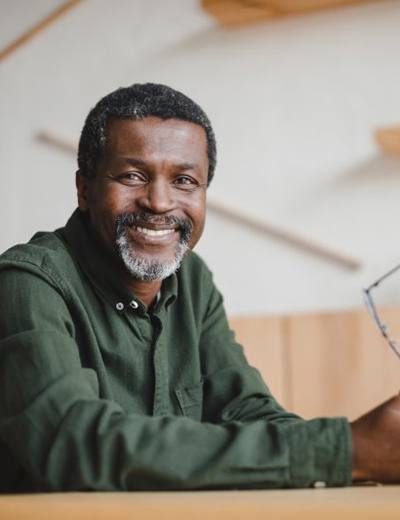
point(190, 400)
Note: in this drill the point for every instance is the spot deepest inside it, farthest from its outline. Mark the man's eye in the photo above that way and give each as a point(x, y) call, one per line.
point(184, 182)
point(131, 178)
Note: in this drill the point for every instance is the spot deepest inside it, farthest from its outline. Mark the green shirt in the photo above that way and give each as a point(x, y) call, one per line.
point(97, 393)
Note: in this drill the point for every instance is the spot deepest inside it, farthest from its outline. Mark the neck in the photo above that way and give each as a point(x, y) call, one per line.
point(145, 291)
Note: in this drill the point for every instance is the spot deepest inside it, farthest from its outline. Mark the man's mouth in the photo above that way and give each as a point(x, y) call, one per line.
point(151, 228)
point(154, 232)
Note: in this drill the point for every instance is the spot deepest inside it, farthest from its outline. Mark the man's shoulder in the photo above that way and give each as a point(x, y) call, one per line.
point(195, 279)
point(193, 265)
point(45, 254)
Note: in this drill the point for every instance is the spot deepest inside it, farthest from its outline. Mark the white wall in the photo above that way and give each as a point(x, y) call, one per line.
point(293, 102)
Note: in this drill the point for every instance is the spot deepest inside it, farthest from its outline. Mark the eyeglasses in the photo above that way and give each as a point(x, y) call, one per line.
point(369, 302)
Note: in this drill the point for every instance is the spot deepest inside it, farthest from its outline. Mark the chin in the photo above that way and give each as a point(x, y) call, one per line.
point(149, 268)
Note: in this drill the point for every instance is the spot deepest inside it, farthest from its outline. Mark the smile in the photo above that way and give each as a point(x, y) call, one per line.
point(154, 232)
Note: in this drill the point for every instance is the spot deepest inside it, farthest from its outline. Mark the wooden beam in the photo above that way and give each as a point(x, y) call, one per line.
point(37, 28)
point(57, 142)
point(389, 140)
point(262, 226)
point(295, 239)
point(241, 12)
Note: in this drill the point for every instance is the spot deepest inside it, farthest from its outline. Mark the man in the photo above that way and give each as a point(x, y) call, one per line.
point(118, 370)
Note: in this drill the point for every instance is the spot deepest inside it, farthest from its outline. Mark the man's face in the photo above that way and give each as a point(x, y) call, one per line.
point(147, 201)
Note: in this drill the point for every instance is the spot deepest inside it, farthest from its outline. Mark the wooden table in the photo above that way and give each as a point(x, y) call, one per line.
point(361, 503)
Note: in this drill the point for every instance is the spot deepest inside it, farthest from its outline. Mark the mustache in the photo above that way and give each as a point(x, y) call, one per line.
point(141, 218)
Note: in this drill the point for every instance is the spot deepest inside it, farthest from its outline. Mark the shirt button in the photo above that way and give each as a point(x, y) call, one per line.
point(318, 484)
point(120, 306)
point(134, 304)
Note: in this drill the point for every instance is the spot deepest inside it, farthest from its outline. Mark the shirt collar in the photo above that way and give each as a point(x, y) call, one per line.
point(94, 262)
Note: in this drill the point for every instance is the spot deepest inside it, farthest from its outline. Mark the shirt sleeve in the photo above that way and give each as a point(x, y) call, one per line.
point(63, 436)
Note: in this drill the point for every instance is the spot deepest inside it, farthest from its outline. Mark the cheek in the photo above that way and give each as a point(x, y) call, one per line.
point(111, 200)
point(106, 205)
point(197, 214)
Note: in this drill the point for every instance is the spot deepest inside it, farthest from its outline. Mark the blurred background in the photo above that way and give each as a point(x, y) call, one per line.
point(294, 101)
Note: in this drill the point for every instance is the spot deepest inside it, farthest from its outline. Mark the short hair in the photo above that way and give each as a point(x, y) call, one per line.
point(137, 102)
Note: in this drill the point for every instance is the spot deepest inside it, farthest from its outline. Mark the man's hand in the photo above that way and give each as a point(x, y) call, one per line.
point(376, 443)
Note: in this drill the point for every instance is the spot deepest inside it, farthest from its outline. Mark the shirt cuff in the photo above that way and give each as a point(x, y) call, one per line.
point(320, 453)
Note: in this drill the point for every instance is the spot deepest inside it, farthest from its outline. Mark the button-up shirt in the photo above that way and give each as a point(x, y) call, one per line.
point(97, 392)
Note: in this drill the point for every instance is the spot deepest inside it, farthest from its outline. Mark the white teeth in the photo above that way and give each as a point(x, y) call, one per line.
point(153, 232)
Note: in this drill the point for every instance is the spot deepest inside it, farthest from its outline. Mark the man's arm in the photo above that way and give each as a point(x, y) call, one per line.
point(65, 437)
point(241, 395)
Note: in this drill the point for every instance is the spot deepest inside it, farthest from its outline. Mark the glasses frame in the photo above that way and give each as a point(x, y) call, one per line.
point(369, 302)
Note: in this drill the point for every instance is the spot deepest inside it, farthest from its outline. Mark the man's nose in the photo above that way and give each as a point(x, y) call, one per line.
point(158, 196)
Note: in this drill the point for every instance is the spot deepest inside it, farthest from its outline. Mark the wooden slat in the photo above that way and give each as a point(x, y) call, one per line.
point(340, 364)
point(389, 140)
point(240, 12)
point(37, 28)
point(263, 342)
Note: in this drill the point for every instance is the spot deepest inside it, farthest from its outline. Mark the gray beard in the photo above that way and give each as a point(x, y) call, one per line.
point(144, 269)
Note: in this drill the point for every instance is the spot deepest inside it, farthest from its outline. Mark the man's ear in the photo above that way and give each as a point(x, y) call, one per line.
point(82, 188)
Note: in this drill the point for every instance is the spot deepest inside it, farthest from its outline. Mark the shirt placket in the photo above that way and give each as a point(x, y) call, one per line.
point(150, 327)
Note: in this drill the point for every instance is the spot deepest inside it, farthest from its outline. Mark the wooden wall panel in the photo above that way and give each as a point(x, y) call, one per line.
point(263, 342)
point(339, 364)
point(323, 364)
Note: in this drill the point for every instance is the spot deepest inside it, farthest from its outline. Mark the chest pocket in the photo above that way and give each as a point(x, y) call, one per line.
point(190, 401)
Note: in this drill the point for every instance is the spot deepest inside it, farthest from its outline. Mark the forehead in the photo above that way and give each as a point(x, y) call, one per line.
point(155, 136)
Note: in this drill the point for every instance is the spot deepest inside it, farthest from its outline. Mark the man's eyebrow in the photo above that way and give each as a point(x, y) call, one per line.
point(187, 166)
point(140, 163)
point(132, 161)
